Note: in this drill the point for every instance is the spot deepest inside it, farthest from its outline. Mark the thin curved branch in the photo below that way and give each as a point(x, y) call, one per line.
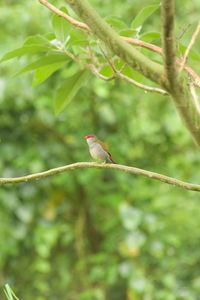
point(118, 74)
point(88, 165)
point(60, 13)
point(133, 41)
point(194, 96)
point(193, 39)
point(140, 85)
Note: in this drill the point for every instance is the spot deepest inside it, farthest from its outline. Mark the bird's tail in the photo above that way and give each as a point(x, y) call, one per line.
point(111, 160)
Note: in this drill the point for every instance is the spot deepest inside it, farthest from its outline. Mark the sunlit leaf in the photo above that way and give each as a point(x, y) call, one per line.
point(43, 73)
point(68, 90)
point(150, 36)
point(116, 23)
point(44, 61)
point(23, 51)
point(133, 74)
point(9, 293)
point(37, 40)
point(143, 15)
point(77, 38)
point(128, 32)
point(61, 27)
point(192, 54)
point(106, 71)
point(33, 44)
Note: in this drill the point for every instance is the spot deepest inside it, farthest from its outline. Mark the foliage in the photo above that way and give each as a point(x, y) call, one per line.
point(9, 293)
point(92, 234)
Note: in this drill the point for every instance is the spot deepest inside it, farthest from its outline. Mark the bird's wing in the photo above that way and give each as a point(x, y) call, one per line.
point(103, 145)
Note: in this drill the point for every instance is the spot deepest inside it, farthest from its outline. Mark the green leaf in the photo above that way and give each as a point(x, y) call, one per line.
point(192, 54)
point(133, 74)
point(128, 32)
point(33, 44)
point(61, 27)
point(9, 293)
point(150, 36)
point(68, 90)
point(143, 15)
point(37, 40)
point(77, 38)
point(106, 71)
point(23, 51)
point(116, 23)
point(43, 73)
point(47, 60)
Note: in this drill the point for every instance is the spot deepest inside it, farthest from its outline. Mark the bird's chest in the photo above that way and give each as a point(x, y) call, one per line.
point(97, 152)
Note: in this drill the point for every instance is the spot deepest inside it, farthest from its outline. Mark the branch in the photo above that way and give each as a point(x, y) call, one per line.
point(178, 88)
point(99, 75)
point(60, 13)
point(87, 165)
point(193, 39)
point(195, 97)
point(154, 48)
point(119, 74)
point(108, 35)
point(133, 41)
point(168, 41)
point(140, 85)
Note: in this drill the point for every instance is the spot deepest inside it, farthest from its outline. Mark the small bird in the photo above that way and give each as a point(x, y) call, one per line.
point(98, 150)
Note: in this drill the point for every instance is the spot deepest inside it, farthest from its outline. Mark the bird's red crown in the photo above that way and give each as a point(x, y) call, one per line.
point(89, 136)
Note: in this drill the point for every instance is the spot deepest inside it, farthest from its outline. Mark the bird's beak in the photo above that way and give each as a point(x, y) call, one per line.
point(85, 137)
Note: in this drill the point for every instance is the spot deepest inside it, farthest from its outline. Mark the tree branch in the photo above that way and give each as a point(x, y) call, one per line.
point(133, 41)
point(108, 35)
point(87, 165)
point(177, 87)
point(195, 77)
point(168, 41)
point(118, 74)
point(60, 13)
point(140, 85)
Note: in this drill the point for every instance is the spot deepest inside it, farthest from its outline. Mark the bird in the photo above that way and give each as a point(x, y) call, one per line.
point(98, 149)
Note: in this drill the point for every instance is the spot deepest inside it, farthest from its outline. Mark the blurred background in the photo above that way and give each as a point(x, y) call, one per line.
point(95, 234)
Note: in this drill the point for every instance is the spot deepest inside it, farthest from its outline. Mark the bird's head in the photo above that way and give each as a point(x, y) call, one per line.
point(90, 138)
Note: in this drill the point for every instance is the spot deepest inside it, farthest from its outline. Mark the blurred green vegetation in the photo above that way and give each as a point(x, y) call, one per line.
point(95, 234)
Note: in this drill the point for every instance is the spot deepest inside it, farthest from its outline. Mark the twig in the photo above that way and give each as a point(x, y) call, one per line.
point(195, 77)
point(194, 96)
point(60, 13)
point(193, 39)
point(183, 31)
point(87, 165)
point(133, 41)
point(99, 75)
point(128, 79)
point(168, 41)
point(140, 85)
